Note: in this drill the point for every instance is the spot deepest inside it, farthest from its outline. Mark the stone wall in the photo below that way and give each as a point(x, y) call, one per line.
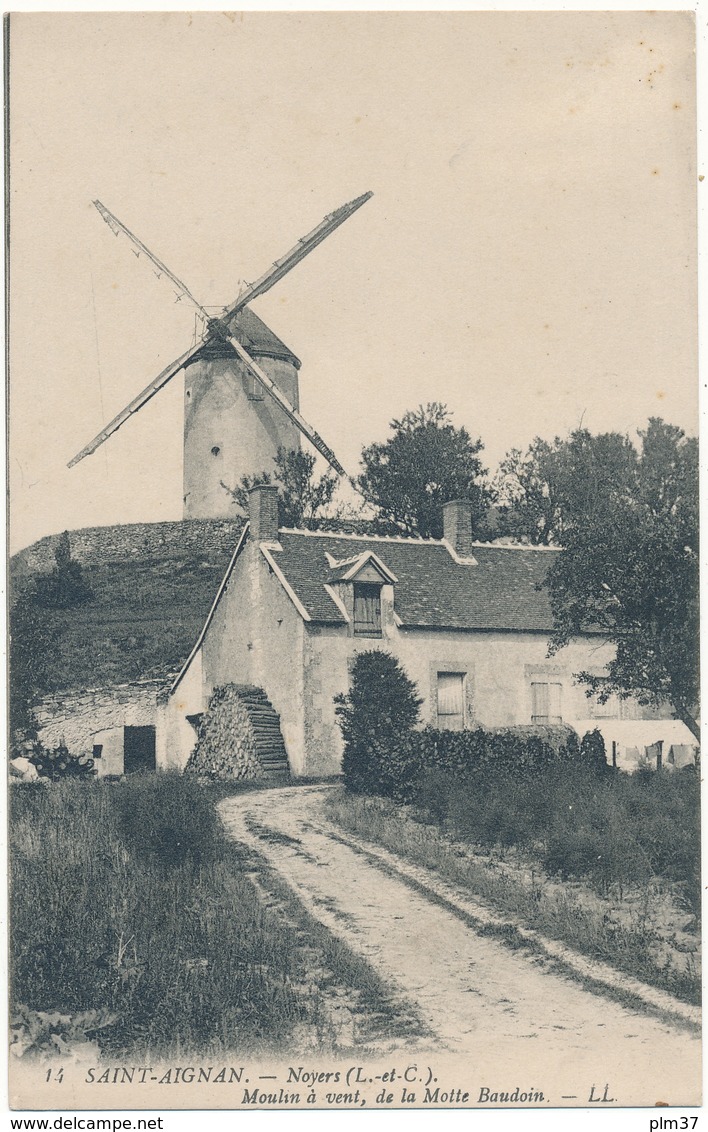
point(102, 545)
point(77, 717)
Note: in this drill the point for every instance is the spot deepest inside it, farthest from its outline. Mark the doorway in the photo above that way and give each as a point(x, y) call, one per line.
point(138, 749)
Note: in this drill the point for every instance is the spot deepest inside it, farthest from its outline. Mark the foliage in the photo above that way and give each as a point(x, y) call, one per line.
point(302, 497)
point(542, 492)
point(593, 752)
point(33, 646)
point(52, 1033)
point(425, 463)
point(34, 638)
point(185, 956)
point(499, 754)
point(614, 829)
point(377, 718)
point(58, 763)
point(629, 568)
point(164, 816)
point(65, 587)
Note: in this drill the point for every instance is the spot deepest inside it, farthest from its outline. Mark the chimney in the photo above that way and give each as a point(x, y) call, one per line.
point(457, 526)
point(263, 512)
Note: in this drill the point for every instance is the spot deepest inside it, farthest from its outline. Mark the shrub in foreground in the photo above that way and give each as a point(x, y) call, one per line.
point(165, 816)
point(509, 752)
point(56, 763)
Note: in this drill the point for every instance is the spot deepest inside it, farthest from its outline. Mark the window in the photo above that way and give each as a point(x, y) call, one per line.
point(97, 750)
point(367, 609)
point(611, 709)
point(451, 701)
point(546, 703)
point(254, 389)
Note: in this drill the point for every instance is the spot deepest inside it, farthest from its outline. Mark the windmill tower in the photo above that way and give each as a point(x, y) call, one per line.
point(241, 397)
point(232, 428)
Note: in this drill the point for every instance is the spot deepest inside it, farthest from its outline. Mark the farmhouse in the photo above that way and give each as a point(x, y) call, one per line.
point(469, 623)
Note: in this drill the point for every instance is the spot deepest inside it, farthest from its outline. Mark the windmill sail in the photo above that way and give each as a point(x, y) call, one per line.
point(290, 411)
point(280, 268)
point(137, 403)
point(297, 253)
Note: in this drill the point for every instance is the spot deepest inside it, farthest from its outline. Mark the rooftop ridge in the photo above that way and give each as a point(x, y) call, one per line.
point(415, 541)
point(515, 546)
point(363, 538)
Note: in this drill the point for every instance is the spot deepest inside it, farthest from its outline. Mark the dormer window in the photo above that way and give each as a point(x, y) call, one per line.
point(362, 589)
point(367, 609)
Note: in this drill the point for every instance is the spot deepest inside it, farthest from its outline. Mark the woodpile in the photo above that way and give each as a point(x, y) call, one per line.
point(226, 746)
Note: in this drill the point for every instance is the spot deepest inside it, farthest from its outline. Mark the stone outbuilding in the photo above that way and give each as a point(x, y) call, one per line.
point(469, 623)
point(113, 725)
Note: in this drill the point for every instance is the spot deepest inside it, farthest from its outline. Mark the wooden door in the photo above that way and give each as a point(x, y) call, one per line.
point(451, 700)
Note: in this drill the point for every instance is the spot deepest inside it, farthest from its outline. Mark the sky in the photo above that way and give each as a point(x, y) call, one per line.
point(528, 257)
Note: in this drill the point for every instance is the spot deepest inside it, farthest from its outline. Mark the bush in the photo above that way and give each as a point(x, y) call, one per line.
point(614, 829)
point(164, 815)
point(57, 763)
point(593, 752)
point(65, 587)
point(185, 959)
point(377, 717)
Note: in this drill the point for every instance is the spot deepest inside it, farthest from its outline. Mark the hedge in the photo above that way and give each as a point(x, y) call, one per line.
point(519, 751)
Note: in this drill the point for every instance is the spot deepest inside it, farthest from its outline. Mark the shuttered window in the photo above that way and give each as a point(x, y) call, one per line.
point(367, 610)
point(451, 700)
point(546, 703)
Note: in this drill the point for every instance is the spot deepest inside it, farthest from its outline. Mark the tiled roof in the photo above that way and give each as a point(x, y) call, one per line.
point(433, 590)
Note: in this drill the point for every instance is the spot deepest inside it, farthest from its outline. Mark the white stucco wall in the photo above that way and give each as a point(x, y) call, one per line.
point(255, 637)
point(227, 434)
point(175, 737)
point(112, 760)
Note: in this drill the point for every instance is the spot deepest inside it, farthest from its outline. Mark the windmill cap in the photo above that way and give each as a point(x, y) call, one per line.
point(258, 339)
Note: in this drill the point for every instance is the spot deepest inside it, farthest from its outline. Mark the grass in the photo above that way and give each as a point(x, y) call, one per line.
point(130, 907)
point(146, 613)
point(628, 933)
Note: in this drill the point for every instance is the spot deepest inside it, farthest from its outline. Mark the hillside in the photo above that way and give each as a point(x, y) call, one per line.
point(153, 585)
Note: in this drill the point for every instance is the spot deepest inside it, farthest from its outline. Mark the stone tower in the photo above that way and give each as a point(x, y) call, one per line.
point(232, 427)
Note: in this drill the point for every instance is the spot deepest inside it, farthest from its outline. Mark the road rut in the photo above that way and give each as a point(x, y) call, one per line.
point(507, 1012)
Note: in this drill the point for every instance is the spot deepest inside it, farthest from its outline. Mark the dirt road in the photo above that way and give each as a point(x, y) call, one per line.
point(507, 1014)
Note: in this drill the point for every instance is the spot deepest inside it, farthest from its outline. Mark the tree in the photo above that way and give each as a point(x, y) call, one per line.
point(33, 647)
point(425, 463)
point(302, 497)
point(629, 568)
point(34, 635)
point(376, 719)
point(65, 587)
point(540, 492)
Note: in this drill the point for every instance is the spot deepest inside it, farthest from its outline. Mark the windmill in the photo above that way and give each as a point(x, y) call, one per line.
point(241, 383)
